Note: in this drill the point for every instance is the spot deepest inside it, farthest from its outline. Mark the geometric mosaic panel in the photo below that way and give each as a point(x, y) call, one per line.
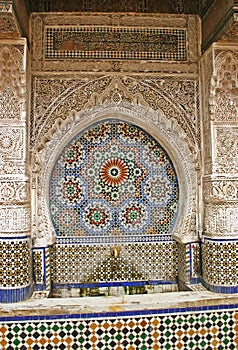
point(15, 263)
point(105, 42)
point(113, 179)
point(215, 330)
point(78, 263)
point(196, 260)
point(38, 263)
point(220, 262)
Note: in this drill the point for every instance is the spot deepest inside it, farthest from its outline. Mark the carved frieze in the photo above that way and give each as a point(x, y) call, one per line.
point(221, 220)
point(14, 219)
point(14, 191)
point(89, 42)
point(221, 190)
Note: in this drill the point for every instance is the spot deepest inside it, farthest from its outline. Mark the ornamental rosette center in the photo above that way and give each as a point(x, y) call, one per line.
point(114, 172)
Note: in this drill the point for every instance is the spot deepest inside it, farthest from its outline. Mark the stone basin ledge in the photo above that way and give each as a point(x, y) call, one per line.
point(125, 304)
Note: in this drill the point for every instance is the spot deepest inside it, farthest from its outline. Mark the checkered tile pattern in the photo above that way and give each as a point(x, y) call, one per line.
point(38, 263)
point(220, 262)
point(196, 331)
point(15, 263)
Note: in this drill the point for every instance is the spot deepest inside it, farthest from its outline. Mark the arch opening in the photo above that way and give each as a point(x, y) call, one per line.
point(114, 197)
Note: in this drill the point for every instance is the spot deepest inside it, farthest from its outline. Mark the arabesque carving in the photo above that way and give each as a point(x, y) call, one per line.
point(226, 143)
point(14, 191)
point(220, 185)
point(12, 142)
point(221, 190)
point(224, 87)
point(221, 220)
point(149, 93)
point(14, 219)
point(11, 69)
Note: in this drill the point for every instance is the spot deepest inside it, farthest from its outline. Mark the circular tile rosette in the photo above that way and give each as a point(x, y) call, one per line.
point(113, 178)
point(97, 217)
point(69, 191)
point(133, 216)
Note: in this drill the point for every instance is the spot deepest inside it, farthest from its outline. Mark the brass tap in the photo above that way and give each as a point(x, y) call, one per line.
point(115, 251)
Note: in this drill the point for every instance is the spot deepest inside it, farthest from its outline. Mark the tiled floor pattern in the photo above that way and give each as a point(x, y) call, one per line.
point(196, 331)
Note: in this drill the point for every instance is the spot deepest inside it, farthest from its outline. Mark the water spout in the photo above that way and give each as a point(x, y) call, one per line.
point(115, 251)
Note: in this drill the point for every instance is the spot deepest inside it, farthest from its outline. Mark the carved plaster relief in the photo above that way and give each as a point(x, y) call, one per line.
point(221, 220)
point(177, 98)
point(226, 146)
point(224, 87)
point(12, 142)
point(221, 190)
point(12, 68)
point(14, 191)
point(221, 186)
point(12, 81)
point(14, 219)
point(9, 26)
point(10, 106)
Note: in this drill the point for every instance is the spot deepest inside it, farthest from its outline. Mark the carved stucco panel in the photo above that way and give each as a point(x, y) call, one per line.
point(14, 191)
point(46, 92)
point(181, 104)
point(221, 190)
point(13, 81)
point(224, 86)
point(14, 219)
point(221, 220)
point(12, 68)
point(226, 146)
point(206, 75)
point(12, 142)
point(10, 106)
point(220, 185)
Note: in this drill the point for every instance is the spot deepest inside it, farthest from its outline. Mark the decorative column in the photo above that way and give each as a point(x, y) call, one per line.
point(15, 221)
point(220, 184)
point(189, 273)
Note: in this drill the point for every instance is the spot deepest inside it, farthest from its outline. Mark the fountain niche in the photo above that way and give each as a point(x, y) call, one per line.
point(113, 202)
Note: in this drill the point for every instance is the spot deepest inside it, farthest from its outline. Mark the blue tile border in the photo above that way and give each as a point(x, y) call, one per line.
point(113, 284)
point(15, 295)
point(219, 239)
point(220, 289)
